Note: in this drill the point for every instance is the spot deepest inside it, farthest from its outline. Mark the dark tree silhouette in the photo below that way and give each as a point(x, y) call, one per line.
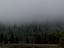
point(1, 38)
point(16, 40)
point(11, 39)
point(27, 40)
point(38, 39)
point(5, 39)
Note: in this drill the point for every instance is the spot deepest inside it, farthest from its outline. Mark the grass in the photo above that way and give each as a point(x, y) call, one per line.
point(30, 46)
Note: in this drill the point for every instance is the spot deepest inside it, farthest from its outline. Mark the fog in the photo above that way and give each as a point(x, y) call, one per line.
point(20, 11)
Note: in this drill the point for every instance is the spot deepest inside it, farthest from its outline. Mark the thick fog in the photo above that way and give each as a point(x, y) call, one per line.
point(19, 11)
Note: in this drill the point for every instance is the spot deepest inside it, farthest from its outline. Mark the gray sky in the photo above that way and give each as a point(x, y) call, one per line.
point(31, 10)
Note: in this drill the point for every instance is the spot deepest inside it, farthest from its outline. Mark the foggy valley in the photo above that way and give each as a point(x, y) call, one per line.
point(32, 23)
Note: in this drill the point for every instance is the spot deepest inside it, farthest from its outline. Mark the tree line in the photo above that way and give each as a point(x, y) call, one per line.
point(32, 33)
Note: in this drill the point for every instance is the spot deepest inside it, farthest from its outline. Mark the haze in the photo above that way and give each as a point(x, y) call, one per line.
point(19, 11)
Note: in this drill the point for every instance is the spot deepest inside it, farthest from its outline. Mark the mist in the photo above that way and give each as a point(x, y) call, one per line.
point(29, 11)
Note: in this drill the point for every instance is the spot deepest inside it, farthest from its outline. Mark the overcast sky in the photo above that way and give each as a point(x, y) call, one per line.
point(31, 10)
